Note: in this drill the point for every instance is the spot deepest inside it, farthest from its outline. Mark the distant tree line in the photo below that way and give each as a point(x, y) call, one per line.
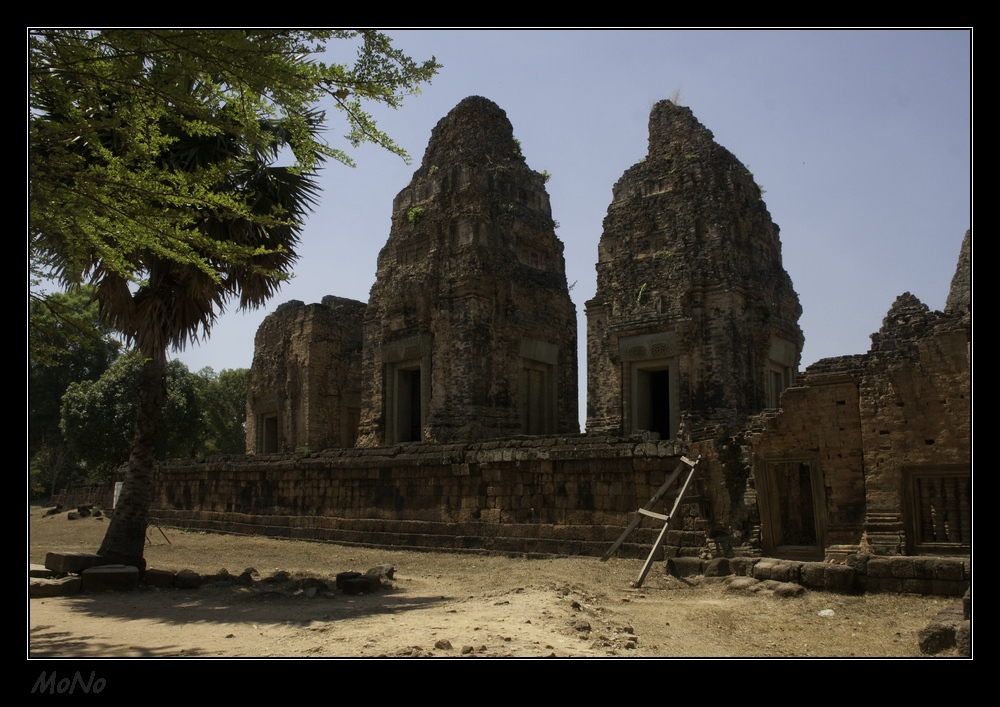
point(83, 399)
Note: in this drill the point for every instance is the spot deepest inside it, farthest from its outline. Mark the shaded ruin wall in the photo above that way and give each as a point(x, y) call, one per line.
point(916, 412)
point(471, 283)
point(570, 495)
point(886, 435)
point(304, 388)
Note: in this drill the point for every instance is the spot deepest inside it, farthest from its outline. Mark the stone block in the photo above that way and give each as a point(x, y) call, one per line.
point(923, 567)
point(164, 579)
point(743, 566)
point(963, 638)
point(859, 562)
point(917, 586)
point(70, 562)
point(840, 578)
point(718, 567)
point(740, 584)
point(947, 568)
point(813, 575)
point(39, 587)
point(879, 567)
point(41, 572)
point(116, 578)
point(786, 571)
point(787, 590)
point(936, 638)
point(885, 584)
point(684, 566)
point(948, 588)
point(902, 567)
point(762, 570)
point(186, 579)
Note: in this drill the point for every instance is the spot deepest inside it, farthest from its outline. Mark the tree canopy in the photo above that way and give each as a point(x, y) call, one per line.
point(154, 175)
point(106, 107)
point(203, 413)
point(68, 344)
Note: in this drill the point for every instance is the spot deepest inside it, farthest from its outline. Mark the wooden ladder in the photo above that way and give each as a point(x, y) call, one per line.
point(683, 464)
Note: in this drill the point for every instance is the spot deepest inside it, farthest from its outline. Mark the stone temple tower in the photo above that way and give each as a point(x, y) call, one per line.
point(470, 333)
point(694, 317)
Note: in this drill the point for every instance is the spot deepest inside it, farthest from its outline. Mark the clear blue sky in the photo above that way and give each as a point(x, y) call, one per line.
point(862, 140)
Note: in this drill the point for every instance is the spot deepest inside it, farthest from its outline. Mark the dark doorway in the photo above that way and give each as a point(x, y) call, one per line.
point(659, 403)
point(408, 423)
point(653, 402)
point(269, 434)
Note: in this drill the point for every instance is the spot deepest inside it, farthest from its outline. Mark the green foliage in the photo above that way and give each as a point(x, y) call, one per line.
point(666, 254)
point(546, 176)
point(204, 413)
point(414, 215)
point(67, 344)
point(517, 150)
point(154, 175)
point(65, 332)
point(223, 403)
point(119, 121)
point(761, 189)
point(642, 293)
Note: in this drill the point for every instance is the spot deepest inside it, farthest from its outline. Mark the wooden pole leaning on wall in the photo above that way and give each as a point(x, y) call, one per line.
point(646, 510)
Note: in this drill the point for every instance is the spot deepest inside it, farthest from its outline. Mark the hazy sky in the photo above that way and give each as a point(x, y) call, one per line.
point(862, 140)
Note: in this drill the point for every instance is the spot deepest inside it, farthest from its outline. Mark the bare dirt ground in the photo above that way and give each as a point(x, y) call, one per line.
point(446, 605)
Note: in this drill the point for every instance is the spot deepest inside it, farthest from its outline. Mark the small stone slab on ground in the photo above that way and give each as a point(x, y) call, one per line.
point(64, 587)
point(941, 634)
point(163, 579)
point(116, 578)
point(41, 572)
point(186, 579)
point(684, 566)
point(384, 571)
point(70, 562)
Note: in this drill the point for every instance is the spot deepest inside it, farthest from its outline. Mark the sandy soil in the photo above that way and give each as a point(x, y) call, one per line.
point(449, 605)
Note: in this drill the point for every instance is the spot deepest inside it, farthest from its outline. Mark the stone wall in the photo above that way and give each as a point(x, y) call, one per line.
point(565, 495)
point(693, 338)
point(304, 388)
point(808, 467)
point(916, 412)
point(875, 451)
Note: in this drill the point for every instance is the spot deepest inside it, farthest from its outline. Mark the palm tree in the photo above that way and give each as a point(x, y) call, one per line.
point(177, 302)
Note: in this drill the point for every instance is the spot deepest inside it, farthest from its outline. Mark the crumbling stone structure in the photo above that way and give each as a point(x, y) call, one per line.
point(304, 388)
point(470, 332)
point(873, 452)
point(468, 344)
point(694, 316)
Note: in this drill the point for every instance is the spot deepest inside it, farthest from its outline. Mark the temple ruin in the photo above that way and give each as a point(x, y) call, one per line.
point(444, 412)
point(304, 388)
point(470, 332)
point(694, 317)
point(874, 450)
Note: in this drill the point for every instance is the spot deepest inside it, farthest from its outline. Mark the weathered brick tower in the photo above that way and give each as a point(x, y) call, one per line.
point(694, 317)
point(304, 389)
point(470, 333)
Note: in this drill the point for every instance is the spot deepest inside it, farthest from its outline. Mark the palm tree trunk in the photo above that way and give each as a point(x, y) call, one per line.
point(125, 540)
